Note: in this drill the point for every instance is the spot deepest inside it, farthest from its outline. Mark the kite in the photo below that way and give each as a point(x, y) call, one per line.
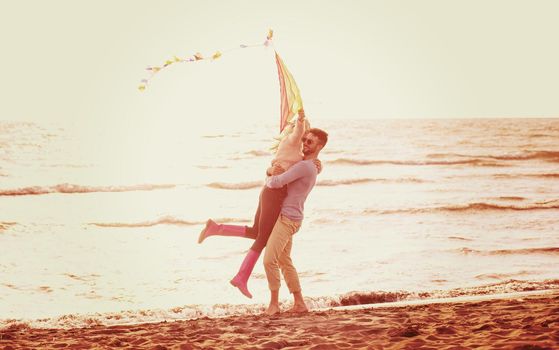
point(291, 101)
point(290, 97)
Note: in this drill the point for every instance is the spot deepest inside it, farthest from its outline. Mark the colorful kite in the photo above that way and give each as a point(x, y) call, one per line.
point(290, 96)
point(291, 101)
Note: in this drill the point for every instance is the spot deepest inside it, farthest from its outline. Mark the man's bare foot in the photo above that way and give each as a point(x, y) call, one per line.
point(272, 310)
point(297, 308)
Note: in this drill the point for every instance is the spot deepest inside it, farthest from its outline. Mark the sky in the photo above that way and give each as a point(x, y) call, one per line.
point(81, 61)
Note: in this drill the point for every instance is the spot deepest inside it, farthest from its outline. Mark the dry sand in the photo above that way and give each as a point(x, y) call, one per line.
point(515, 322)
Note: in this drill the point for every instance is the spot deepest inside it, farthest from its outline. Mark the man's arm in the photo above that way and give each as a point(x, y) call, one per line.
point(295, 172)
point(275, 169)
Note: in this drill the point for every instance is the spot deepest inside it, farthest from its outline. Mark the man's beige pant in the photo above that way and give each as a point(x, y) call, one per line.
point(278, 255)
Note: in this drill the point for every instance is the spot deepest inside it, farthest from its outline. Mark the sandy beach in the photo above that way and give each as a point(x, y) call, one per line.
point(431, 223)
point(515, 322)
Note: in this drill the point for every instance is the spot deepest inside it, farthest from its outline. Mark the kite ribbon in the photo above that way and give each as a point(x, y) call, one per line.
point(290, 96)
point(291, 101)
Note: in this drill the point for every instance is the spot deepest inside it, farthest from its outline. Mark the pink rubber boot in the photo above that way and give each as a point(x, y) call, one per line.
point(213, 229)
point(241, 279)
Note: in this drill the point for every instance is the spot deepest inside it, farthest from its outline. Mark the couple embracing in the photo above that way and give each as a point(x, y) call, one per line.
point(279, 216)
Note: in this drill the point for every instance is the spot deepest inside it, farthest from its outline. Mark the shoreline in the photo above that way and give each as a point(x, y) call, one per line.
point(444, 300)
point(522, 320)
point(348, 301)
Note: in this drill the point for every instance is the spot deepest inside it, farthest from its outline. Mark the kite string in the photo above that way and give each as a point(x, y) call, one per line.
point(289, 92)
point(198, 57)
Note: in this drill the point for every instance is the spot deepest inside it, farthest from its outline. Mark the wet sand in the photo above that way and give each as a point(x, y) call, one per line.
point(514, 322)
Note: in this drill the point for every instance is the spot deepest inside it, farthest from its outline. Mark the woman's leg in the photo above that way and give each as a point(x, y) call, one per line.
point(271, 201)
point(214, 229)
point(252, 231)
point(270, 207)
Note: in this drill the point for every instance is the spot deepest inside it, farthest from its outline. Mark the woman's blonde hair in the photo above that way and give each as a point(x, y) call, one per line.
point(287, 130)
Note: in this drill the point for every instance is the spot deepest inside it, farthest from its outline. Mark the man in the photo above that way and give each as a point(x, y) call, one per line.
point(290, 151)
point(300, 179)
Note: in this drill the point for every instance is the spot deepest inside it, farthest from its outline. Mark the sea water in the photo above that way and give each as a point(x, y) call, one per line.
point(100, 225)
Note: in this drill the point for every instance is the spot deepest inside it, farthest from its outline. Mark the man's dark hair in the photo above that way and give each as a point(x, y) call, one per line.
point(321, 135)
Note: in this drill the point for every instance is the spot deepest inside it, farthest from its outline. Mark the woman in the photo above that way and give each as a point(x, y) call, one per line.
point(289, 152)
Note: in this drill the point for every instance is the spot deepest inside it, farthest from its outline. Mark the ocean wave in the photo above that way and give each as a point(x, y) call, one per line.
point(541, 135)
point(5, 225)
point(167, 220)
point(345, 182)
point(326, 183)
point(473, 162)
point(258, 153)
point(541, 176)
point(552, 156)
point(521, 251)
point(471, 207)
point(252, 154)
point(502, 276)
point(212, 166)
point(451, 159)
point(236, 186)
point(458, 238)
point(510, 198)
point(71, 189)
point(187, 312)
point(360, 298)
point(365, 180)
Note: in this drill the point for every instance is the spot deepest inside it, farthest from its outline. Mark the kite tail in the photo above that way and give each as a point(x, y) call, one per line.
point(290, 97)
